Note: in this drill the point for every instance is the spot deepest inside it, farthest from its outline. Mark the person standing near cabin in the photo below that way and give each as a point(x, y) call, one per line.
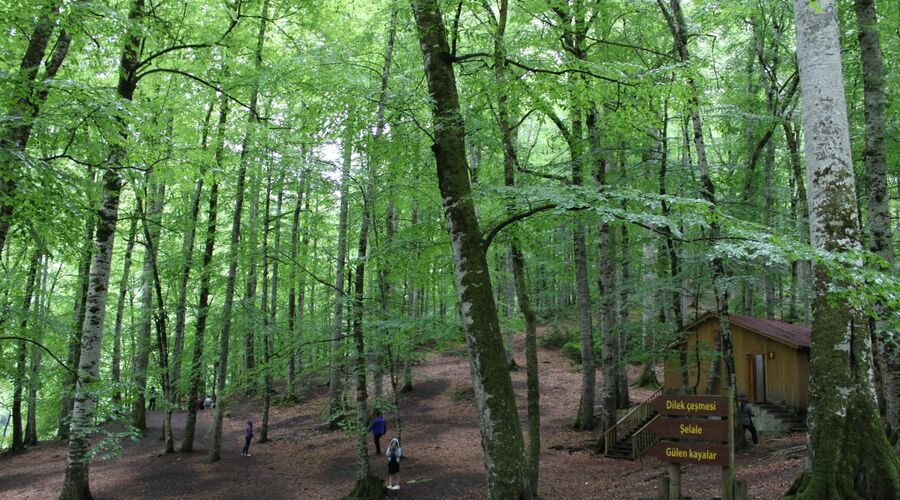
point(378, 428)
point(394, 454)
point(747, 420)
point(248, 436)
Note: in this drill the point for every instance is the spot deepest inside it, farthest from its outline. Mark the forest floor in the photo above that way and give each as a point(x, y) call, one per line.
point(441, 444)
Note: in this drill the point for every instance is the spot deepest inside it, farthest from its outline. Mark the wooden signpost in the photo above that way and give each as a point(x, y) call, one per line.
point(694, 430)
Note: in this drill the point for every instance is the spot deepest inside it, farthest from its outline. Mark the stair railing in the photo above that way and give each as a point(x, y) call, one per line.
point(643, 439)
point(629, 422)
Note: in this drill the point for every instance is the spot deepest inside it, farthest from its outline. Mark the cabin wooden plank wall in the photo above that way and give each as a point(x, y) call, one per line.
point(786, 369)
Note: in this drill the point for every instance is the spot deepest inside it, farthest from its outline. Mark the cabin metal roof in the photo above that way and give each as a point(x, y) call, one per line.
point(796, 336)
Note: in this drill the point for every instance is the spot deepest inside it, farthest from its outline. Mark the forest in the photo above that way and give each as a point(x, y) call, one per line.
point(505, 226)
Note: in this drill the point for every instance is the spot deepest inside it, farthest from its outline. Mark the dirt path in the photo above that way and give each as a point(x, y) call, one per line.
point(441, 442)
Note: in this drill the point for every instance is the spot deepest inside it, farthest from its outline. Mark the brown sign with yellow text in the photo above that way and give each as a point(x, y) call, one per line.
point(691, 406)
point(691, 453)
point(696, 429)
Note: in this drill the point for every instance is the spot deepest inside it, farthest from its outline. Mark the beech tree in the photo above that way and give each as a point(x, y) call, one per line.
point(849, 454)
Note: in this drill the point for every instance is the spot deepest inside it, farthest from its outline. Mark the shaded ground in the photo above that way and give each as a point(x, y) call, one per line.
point(441, 441)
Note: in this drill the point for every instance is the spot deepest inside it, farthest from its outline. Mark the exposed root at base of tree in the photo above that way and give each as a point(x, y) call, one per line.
point(370, 488)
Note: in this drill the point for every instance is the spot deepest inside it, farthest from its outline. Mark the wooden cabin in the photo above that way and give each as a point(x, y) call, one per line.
point(771, 360)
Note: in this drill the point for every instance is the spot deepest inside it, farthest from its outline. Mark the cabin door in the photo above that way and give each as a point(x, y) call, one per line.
point(757, 379)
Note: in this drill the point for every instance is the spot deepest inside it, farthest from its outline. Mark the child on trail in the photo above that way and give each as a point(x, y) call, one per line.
point(378, 428)
point(394, 454)
point(248, 435)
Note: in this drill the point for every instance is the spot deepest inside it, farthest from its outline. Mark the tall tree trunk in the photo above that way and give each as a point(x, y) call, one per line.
point(606, 284)
point(196, 382)
point(155, 192)
point(264, 306)
point(678, 28)
point(252, 281)
point(215, 450)
point(120, 312)
point(647, 378)
point(187, 253)
point(501, 432)
point(67, 392)
point(18, 443)
point(802, 219)
point(850, 456)
point(334, 383)
point(42, 309)
point(75, 485)
point(516, 256)
point(879, 214)
point(160, 320)
point(359, 366)
point(380, 122)
point(413, 315)
point(293, 326)
point(26, 106)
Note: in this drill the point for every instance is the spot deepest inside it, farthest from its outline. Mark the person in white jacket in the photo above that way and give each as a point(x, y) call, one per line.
point(394, 453)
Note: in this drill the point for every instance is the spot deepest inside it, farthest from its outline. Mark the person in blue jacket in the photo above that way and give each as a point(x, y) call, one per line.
point(378, 428)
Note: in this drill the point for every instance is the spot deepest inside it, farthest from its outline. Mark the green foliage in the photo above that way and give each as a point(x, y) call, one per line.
point(557, 337)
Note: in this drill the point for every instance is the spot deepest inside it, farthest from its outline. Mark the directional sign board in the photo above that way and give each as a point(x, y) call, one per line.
point(691, 453)
point(691, 428)
point(691, 406)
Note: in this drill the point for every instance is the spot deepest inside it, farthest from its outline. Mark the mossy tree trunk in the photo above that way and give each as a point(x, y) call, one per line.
point(879, 215)
point(75, 484)
point(501, 432)
point(850, 456)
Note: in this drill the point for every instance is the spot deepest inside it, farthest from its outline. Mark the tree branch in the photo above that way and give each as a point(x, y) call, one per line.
point(42, 346)
point(486, 242)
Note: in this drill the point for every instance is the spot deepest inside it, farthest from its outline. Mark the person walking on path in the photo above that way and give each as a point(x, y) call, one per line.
point(378, 428)
point(152, 398)
point(747, 420)
point(394, 454)
point(248, 436)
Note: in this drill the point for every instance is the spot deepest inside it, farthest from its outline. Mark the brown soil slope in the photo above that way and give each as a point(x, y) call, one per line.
point(441, 443)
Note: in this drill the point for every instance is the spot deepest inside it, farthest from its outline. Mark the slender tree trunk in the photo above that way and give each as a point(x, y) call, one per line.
point(606, 284)
point(359, 367)
point(413, 315)
point(251, 283)
point(41, 308)
point(516, 256)
point(187, 252)
point(160, 320)
point(120, 312)
point(293, 326)
point(501, 433)
point(678, 27)
point(334, 384)
point(67, 392)
point(215, 450)
point(264, 305)
point(18, 443)
point(879, 214)
point(142, 358)
point(850, 456)
point(647, 378)
point(196, 382)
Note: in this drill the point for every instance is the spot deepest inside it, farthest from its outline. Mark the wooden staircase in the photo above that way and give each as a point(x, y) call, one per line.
point(632, 437)
point(787, 416)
